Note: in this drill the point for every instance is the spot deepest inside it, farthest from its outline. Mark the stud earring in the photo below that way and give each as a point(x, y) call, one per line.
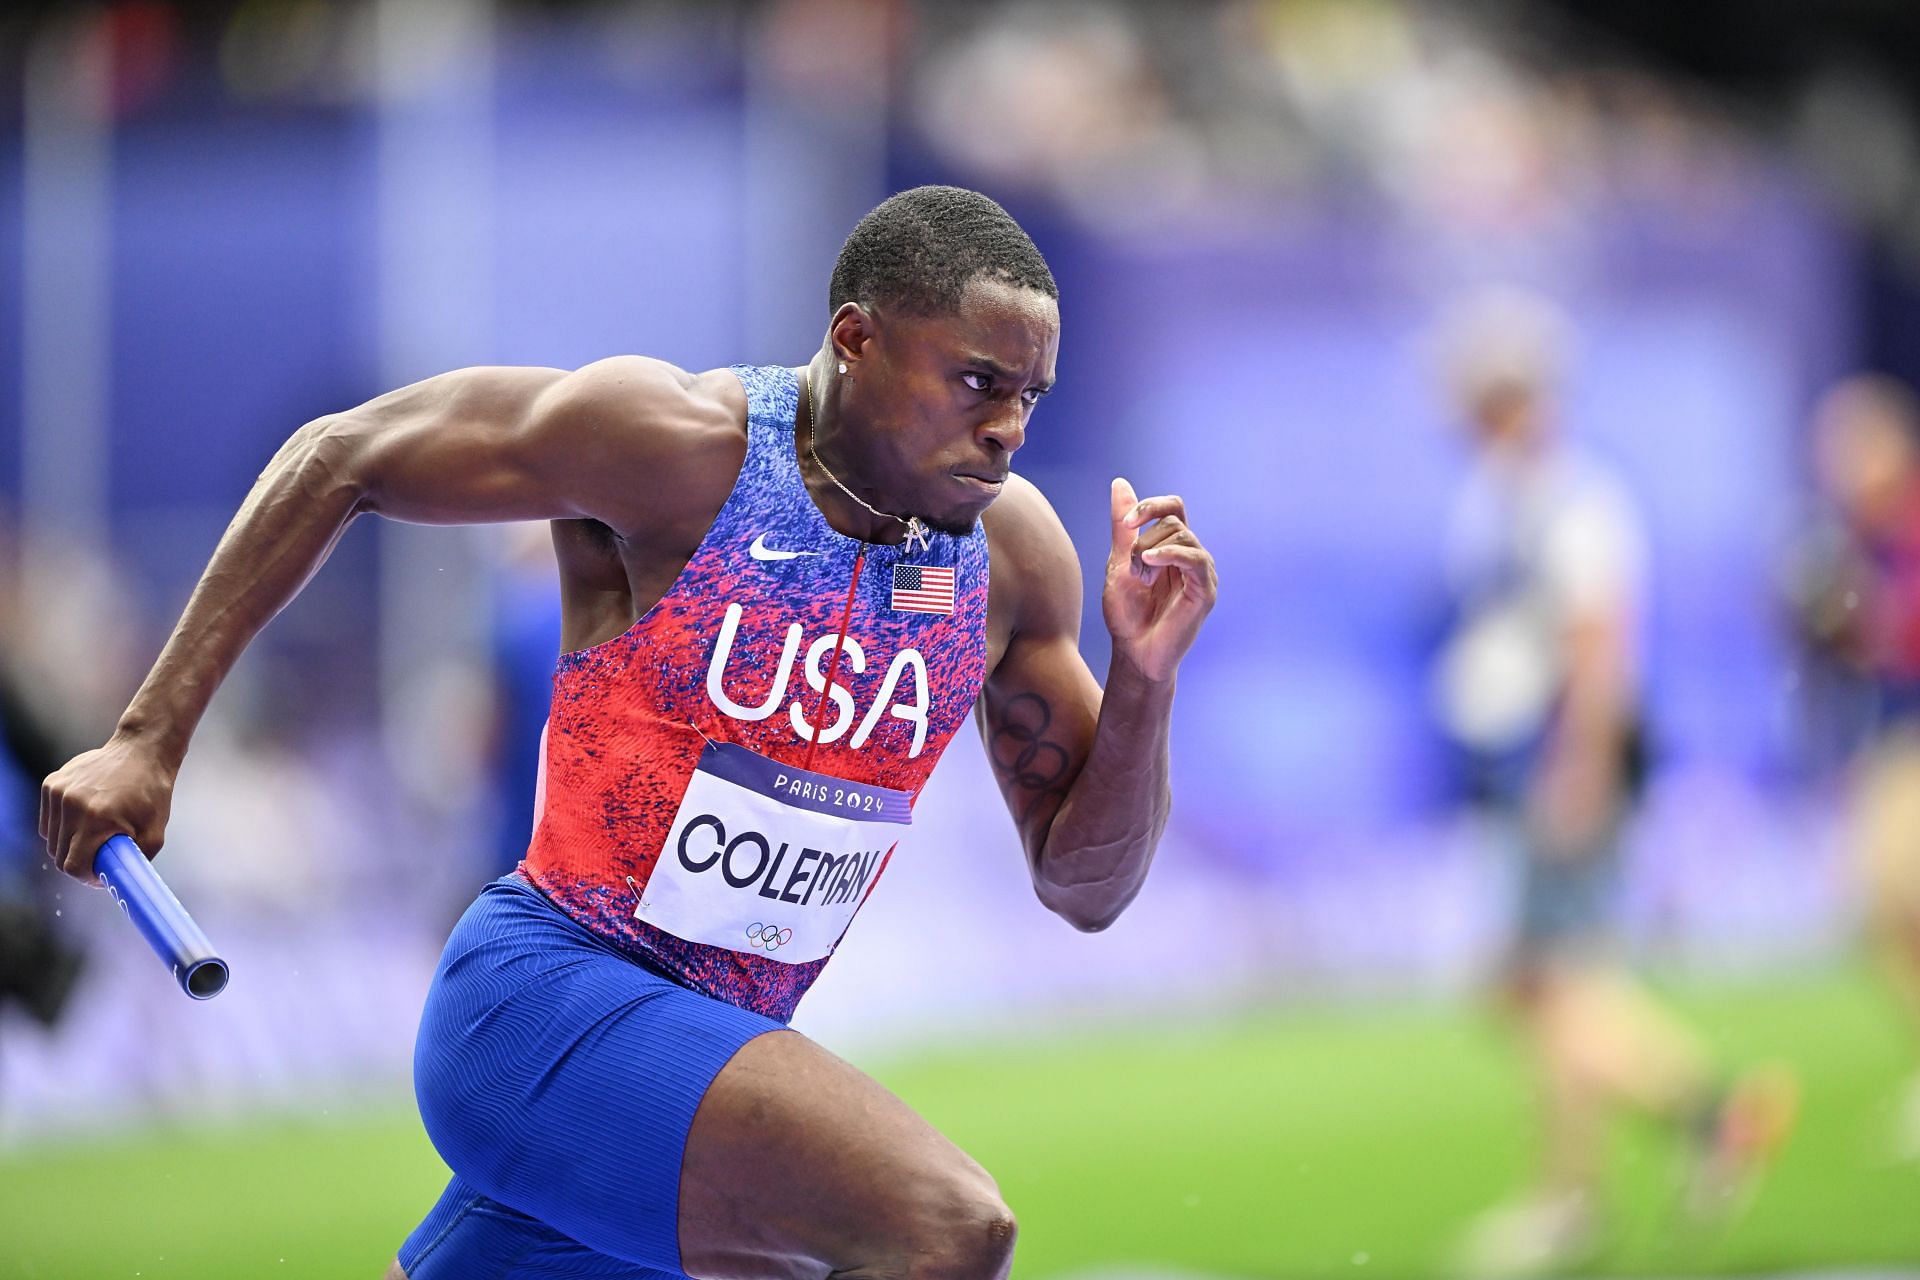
point(843, 366)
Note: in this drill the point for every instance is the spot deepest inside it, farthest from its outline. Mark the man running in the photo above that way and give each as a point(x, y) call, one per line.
point(1539, 687)
point(784, 590)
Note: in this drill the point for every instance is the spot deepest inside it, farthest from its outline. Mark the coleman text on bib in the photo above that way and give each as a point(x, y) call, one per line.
point(770, 858)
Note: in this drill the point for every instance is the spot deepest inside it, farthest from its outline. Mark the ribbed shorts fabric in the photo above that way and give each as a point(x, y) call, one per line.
point(558, 1079)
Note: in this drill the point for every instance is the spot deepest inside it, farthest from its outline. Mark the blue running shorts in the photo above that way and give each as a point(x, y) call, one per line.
point(558, 1078)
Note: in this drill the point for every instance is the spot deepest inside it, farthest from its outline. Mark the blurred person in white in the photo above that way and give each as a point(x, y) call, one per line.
point(1865, 611)
point(1538, 685)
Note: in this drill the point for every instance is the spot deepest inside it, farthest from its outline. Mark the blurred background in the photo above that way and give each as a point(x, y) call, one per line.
point(1311, 253)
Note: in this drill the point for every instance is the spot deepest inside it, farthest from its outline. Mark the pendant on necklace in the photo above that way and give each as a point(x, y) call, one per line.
point(919, 537)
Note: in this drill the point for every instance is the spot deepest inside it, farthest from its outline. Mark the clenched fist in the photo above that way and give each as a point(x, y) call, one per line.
point(122, 788)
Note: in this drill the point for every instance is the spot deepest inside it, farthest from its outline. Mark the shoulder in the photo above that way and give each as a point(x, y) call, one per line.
point(662, 440)
point(642, 394)
point(1578, 475)
point(1589, 494)
point(1593, 545)
point(1035, 571)
point(1021, 520)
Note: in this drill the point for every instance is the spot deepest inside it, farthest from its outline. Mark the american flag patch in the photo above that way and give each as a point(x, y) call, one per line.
point(919, 588)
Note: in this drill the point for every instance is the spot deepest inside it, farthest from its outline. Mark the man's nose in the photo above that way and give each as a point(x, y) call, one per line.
point(1007, 427)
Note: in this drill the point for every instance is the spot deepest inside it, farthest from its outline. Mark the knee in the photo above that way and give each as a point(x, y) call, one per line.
point(969, 1237)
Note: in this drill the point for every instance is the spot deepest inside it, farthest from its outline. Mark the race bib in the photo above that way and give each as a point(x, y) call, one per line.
point(770, 859)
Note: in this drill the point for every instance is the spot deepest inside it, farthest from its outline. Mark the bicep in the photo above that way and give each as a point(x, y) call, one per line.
point(490, 444)
point(1596, 654)
point(451, 449)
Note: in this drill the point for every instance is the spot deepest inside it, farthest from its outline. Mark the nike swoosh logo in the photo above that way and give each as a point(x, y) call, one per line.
point(761, 551)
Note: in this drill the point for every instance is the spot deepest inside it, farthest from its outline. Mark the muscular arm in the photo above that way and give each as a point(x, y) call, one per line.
point(470, 446)
point(1083, 771)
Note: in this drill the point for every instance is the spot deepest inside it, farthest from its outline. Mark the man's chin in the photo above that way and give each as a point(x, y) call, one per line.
point(954, 524)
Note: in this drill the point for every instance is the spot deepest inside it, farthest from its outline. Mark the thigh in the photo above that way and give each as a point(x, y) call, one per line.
point(799, 1165)
point(1887, 831)
point(558, 1079)
point(468, 1236)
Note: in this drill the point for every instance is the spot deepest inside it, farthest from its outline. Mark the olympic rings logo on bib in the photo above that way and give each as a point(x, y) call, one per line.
point(766, 935)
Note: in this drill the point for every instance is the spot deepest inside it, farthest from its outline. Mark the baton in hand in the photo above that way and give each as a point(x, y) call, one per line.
point(167, 927)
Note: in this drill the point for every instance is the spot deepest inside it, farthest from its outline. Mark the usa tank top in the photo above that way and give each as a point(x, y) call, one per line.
point(724, 783)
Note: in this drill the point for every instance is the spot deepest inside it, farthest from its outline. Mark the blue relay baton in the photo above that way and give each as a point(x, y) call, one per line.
point(169, 930)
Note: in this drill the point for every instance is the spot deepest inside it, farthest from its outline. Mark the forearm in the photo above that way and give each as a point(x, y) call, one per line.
point(290, 521)
point(1101, 840)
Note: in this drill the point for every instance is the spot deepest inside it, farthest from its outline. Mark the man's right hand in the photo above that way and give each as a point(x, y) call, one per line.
point(122, 788)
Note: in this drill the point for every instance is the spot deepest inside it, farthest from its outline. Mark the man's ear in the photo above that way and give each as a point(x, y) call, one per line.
point(853, 332)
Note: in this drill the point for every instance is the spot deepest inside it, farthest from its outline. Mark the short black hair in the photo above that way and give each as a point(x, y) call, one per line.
point(918, 251)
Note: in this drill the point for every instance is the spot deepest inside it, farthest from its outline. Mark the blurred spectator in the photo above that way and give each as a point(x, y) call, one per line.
point(1861, 605)
point(39, 964)
point(1538, 685)
point(526, 642)
point(1495, 133)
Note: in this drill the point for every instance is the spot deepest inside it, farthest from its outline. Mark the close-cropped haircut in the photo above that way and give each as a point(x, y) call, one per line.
point(918, 251)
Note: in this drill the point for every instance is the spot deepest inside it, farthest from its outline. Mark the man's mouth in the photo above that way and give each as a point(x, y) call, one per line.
point(991, 482)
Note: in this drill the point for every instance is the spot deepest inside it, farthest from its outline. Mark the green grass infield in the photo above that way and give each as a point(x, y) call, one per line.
point(1353, 1142)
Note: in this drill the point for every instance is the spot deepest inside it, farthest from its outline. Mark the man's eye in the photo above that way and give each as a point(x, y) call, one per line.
point(977, 381)
point(1031, 395)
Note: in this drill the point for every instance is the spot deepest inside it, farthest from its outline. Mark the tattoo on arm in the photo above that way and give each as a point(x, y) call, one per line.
point(1032, 770)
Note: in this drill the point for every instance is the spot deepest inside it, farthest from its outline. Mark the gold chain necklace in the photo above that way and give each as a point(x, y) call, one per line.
point(918, 536)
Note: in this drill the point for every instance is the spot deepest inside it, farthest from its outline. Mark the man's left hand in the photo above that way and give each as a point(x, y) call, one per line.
point(1160, 584)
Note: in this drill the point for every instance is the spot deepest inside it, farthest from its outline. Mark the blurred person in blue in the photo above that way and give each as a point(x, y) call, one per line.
point(1864, 611)
point(1538, 686)
point(527, 624)
point(784, 589)
point(39, 966)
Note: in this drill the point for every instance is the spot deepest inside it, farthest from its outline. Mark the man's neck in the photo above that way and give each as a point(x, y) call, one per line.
point(817, 433)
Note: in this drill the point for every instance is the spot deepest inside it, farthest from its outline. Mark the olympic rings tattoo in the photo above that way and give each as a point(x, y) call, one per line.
point(1021, 754)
